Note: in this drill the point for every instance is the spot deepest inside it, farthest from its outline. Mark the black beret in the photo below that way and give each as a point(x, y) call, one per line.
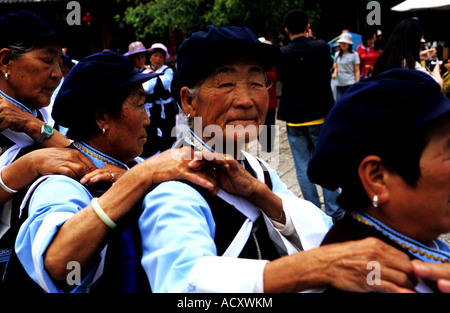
point(96, 79)
point(370, 114)
point(212, 47)
point(28, 28)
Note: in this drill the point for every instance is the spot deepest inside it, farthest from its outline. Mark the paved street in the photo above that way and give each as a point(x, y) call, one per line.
point(283, 163)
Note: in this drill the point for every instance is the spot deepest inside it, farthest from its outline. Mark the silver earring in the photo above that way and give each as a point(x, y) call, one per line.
point(6, 76)
point(375, 201)
point(190, 122)
point(103, 131)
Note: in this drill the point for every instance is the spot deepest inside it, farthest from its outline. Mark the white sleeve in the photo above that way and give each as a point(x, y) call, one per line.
point(235, 275)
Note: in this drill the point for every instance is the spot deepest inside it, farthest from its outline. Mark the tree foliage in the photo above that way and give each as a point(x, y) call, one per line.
point(157, 17)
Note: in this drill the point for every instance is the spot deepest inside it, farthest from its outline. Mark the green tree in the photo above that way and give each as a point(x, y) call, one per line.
point(157, 18)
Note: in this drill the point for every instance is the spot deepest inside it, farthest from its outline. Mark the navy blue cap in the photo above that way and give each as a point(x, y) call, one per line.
point(370, 114)
point(96, 79)
point(28, 28)
point(212, 47)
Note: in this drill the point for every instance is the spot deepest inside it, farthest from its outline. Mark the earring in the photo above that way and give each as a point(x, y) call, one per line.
point(103, 131)
point(6, 76)
point(190, 122)
point(375, 201)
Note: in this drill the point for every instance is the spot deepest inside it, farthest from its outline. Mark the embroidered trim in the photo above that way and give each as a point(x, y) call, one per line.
point(98, 155)
point(197, 142)
point(414, 247)
point(14, 101)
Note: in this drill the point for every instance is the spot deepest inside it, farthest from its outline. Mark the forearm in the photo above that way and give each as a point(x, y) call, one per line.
point(268, 202)
point(33, 130)
point(294, 273)
point(82, 237)
point(17, 176)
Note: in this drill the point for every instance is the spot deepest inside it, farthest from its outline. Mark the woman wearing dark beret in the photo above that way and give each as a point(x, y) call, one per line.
point(101, 102)
point(30, 71)
point(386, 144)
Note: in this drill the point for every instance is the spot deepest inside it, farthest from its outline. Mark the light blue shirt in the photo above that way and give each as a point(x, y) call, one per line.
point(177, 231)
point(54, 201)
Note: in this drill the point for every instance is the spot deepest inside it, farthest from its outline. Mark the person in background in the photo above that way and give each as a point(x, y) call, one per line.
point(304, 70)
point(160, 105)
point(403, 50)
point(346, 65)
point(386, 144)
point(137, 53)
point(267, 138)
point(367, 55)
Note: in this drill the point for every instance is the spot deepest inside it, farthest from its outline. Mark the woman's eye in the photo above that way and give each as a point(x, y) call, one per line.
point(225, 85)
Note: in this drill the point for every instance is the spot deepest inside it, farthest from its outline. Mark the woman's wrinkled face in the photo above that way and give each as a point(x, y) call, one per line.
point(34, 76)
point(157, 59)
point(233, 100)
point(126, 133)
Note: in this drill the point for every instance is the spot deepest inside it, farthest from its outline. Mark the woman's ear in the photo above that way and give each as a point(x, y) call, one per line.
point(102, 118)
point(5, 59)
point(373, 174)
point(187, 102)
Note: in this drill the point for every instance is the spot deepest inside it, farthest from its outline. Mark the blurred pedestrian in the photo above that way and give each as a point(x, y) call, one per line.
point(346, 65)
point(137, 53)
point(403, 50)
point(160, 106)
point(304, 70)
point(367, 54)
point(267, 137)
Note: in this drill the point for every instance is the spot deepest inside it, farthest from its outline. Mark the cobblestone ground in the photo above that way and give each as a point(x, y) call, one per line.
point(281, 160)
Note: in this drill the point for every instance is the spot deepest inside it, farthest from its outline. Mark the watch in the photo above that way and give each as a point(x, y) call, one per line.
point(46, 132)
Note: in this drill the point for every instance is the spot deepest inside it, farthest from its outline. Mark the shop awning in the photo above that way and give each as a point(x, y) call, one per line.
point(420, 5)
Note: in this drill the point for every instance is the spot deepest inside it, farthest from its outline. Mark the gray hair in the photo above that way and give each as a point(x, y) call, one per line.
point(18, 49)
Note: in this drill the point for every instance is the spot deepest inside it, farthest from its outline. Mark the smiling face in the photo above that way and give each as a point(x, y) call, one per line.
point(34, 76)
point(235, 98)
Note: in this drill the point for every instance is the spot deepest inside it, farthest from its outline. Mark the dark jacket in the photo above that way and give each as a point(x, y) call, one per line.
point(305, 73)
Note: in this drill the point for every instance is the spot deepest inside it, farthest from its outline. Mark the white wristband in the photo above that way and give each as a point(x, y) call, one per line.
point(101, 214)
point(3, 186)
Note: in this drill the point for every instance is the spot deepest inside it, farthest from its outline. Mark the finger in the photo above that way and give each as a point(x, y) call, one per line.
point(444, 285)
point(432, 271)
point(201, 181)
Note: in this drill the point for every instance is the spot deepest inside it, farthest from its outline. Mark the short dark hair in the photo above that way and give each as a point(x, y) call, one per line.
point(401, 155)
point(296, 21)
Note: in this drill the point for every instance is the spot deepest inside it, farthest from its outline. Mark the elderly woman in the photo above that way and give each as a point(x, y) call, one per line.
point(248, 237)
point(101, 102)
point(386, 143)
point(30, 65)
point(30, 71)
point(160, 105)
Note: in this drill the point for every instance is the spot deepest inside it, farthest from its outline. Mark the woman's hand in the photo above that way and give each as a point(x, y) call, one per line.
point(228, 173)
point(13, 117)
point(26, 169)
point(233, 178)
point(107, 173)
point(440, 273)
point(173, 165)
